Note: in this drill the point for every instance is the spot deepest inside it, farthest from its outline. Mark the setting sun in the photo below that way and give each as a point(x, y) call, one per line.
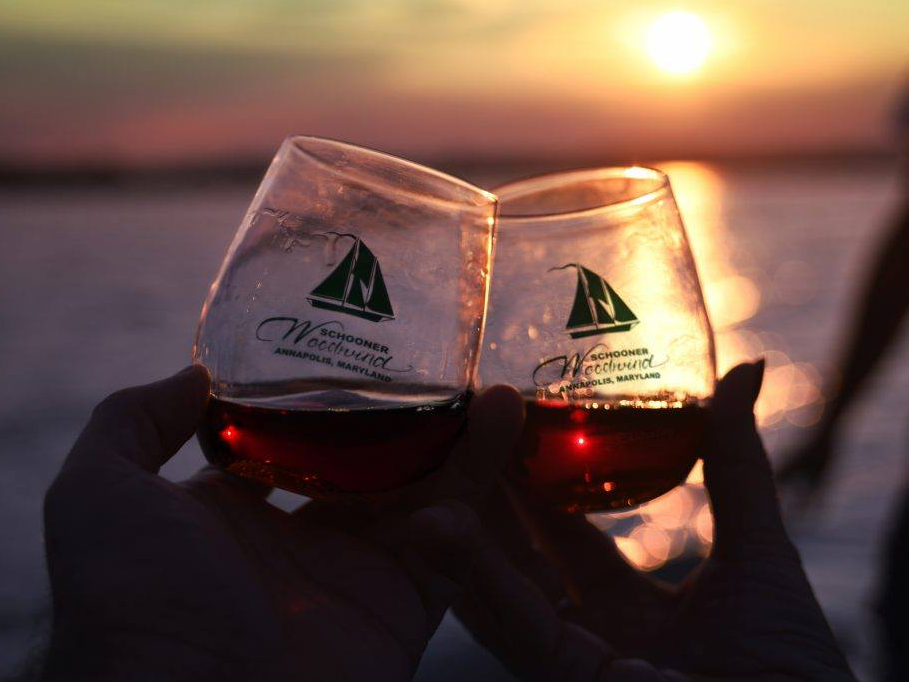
point(678, 42)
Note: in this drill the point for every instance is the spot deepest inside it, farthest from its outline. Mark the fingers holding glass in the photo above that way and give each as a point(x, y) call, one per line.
point(143, 424)
point(737, 473)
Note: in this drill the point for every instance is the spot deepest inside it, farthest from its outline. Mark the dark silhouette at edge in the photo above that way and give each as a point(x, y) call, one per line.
point(872, 328)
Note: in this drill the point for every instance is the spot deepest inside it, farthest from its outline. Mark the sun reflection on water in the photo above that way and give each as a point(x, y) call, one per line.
point(735, 289)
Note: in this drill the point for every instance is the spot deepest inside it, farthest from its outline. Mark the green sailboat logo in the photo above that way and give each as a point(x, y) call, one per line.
point(355, 287)
point(597, 308)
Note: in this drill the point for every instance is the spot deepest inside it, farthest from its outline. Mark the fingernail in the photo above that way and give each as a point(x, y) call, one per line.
point(196, 372)
point(439, 514)
point(758, 378)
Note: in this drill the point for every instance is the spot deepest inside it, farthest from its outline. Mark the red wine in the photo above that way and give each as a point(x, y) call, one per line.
point(321, 452)
point(594, 459)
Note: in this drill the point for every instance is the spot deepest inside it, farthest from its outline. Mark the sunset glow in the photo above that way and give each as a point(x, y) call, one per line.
point(678, 42)
point(569, 80)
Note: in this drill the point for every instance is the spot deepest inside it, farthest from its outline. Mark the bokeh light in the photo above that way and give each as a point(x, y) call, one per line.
point(735, 290)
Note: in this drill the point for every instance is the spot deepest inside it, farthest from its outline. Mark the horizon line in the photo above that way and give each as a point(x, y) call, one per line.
point(245, 167)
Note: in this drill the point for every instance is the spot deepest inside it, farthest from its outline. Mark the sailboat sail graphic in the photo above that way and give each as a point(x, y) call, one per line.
point(355, 287)
point(597, 308)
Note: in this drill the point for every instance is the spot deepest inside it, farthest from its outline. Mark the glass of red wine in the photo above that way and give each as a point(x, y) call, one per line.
point(343, 329)
point(596, 315)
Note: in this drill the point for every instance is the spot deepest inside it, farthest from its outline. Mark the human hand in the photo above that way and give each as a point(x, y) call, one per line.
point(578, 611)
point(204, 579)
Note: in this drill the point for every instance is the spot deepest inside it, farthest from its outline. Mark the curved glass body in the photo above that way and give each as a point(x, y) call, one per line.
point(596, 315)
point(342, 330)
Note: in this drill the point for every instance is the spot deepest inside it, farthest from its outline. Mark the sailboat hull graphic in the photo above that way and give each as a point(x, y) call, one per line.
point(597, 308)
point(605, 329)
point(365, 314)
point(355, 287)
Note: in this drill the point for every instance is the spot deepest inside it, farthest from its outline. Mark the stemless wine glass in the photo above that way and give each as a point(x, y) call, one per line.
point(343, 328)
point(596, 315)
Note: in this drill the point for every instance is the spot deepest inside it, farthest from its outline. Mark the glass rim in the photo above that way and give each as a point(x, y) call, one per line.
point(485, 197)
point(533, 183)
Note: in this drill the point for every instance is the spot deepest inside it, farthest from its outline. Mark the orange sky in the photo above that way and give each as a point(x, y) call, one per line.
point(155, 81)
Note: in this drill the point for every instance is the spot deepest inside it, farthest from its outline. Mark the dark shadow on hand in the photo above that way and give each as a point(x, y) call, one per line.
point(554, 598)
point(203, 579)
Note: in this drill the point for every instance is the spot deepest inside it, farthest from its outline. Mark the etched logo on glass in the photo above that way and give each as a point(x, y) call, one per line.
point(355, 287)
point(597, 308)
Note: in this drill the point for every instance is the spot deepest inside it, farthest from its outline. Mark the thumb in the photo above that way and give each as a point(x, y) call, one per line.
point(736, 471)
point(493, 425)
point(144, 424)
